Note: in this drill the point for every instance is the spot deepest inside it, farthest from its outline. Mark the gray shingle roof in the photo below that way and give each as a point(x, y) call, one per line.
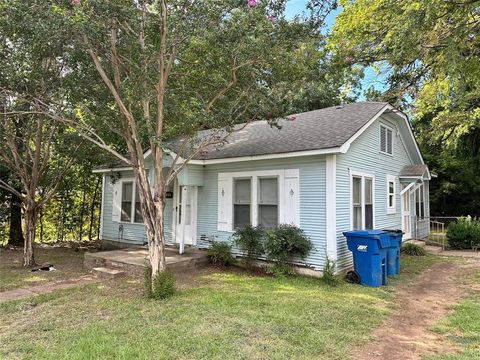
point(319, 129)
point(413, 170)
point(313, 130)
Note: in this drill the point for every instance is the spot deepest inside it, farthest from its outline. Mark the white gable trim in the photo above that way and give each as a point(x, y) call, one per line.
point(344, 148)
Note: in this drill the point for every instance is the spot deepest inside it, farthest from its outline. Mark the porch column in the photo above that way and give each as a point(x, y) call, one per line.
point(181, 247)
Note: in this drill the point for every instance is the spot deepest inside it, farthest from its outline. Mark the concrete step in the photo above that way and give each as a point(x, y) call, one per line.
point(433, 249)
point(108, 273)
point(416, 242)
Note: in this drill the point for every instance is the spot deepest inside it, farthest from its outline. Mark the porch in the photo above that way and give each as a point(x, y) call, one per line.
point(132, 261)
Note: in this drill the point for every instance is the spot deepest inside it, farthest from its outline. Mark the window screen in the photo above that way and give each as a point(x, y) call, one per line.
point(127, 194)
point(368, 203)
point(356, 201)
point(241, 202)
point(138, 209)
point(419, 203)
point(268, 202)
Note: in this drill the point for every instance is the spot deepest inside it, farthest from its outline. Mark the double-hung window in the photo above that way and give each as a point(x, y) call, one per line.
point(386, 139)
point(267, 202)
point(265, 191)
point(391, 194)
point(242, 199)
point(362, 204)
point(131, 208)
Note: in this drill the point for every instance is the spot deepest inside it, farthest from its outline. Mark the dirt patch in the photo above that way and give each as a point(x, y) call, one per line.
point(406, 334)
point(43, 289)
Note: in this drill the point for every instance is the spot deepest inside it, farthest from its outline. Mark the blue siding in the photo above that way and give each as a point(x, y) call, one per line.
point(129, 233)
point(364, 155)
point(312, 200)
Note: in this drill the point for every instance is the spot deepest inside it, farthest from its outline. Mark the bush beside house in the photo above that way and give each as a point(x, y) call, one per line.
point(464, 233)
point(281, 245)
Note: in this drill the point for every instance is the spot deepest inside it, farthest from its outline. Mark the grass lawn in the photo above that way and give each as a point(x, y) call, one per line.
point(463, 325)
point(68, 262)
point(222, 315)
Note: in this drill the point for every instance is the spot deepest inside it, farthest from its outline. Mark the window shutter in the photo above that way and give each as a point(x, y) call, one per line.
point(117, 201)
point(291, 197)
point(225, 204)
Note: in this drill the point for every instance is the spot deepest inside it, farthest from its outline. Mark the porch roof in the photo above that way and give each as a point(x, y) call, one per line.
point(415, 171)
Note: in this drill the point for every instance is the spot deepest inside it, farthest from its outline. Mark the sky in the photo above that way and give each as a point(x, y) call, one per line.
point(371, 78)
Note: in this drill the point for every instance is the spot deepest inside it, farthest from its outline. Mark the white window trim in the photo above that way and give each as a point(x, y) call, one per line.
point(363, 175)
point(382, 124)
point(132, 210)
point(254, 176)
point(392, 209)
point(280, 174)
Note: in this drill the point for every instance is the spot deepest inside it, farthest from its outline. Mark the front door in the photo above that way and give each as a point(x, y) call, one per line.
point(186, 215)
point(406, 218)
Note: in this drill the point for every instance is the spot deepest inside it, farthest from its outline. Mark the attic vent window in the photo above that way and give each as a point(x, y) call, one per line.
point(386, 140)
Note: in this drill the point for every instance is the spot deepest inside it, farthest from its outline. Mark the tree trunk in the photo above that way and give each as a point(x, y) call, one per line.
point(30, 225)
point(82, 210)
point(41, 225)
point(15, 234)
point(156, 243)
point(92, 208)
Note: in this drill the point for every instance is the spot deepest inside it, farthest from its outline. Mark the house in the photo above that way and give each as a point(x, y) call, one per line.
point(355, 166)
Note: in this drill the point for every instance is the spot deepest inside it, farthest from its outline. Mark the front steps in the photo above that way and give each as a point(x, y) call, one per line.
point(108, 273)
point(132, 261)
point(431, 249)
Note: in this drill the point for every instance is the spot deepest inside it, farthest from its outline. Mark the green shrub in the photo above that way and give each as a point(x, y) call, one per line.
point(147, 281)
point(286, 242)
point(413, 250)
point(329, 277)
point(249, 240)
point(162, 286)
point(220, 253)
point(279, 269)
point(464, 233)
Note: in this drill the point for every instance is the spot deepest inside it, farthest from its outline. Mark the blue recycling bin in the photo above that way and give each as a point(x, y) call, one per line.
point(369, 248)
point(393, 252)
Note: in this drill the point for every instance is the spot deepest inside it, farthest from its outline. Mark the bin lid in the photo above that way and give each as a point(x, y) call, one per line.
point(396, 231)
point(365, 233)
point(371, 234)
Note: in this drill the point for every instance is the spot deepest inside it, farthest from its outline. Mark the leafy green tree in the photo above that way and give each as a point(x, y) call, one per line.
point(429, 48)
point(173, 68)
point(138, 74)
point(430, 56)
point(32, 146)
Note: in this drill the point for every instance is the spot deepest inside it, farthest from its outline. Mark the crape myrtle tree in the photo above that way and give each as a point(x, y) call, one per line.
point(173, 68)
point(33, 147)
point(167, 69)
point(38, 161)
